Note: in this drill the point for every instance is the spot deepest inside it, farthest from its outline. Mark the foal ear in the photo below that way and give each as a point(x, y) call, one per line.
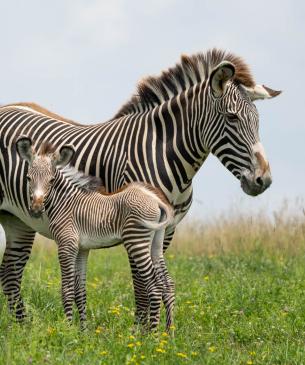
point(24, 148)
point(220, 76)
point(65, 155)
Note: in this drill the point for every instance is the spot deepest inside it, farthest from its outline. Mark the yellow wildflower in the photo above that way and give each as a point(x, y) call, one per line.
point(194, 353)
point(98, 330)
point(212, 348)
point(162, 351)
point(249, 362)
point(131, 337)
point(138, 343)
point(206, 278)
point(130, 345)
point(142, 357)
point(164, 334)
point(182, 354)
point(51, 330)
point(252, 353)
point(103, 353)
point(172, 327)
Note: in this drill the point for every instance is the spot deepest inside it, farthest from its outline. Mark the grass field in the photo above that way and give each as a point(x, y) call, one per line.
point(240, 300)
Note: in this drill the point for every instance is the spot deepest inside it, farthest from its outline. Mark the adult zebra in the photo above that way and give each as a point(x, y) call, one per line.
point(161, 136)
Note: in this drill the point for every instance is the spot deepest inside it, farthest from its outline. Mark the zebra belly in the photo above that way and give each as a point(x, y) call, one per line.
point(40, 225)
point(98, 242)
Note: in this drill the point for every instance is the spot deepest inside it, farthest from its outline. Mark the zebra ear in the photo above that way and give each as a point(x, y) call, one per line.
point(219, 77)
point(261, 92)
point(65, 155)
point(24, 148)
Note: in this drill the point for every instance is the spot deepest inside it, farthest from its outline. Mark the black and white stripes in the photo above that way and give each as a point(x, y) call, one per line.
point(161, 136)
point(82, 219)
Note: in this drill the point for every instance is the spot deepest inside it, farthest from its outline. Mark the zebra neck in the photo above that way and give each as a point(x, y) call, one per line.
point(182, 120)
point(61, 191)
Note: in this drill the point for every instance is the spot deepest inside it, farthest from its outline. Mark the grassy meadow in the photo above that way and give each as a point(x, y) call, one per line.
point(240, 284)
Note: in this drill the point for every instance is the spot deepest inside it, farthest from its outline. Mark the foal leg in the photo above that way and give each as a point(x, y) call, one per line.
point(137, 241)
point(80, 285)
point(67, 253)
point(19, 242)
point(141, 296)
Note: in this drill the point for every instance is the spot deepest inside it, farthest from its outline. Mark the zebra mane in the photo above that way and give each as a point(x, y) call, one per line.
point(80, 180)
point(152, 91)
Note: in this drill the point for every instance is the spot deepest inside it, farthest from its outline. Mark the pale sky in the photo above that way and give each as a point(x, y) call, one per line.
point(83, 58)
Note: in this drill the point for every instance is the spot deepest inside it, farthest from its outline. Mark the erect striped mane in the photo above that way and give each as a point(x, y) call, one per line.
point(153, 91)
point(80, 180)
point(92, 183)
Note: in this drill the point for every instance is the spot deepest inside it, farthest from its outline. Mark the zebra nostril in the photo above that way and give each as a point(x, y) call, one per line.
point(259, 181)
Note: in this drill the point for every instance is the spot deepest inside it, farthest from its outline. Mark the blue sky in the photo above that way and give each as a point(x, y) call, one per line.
point(82, 59)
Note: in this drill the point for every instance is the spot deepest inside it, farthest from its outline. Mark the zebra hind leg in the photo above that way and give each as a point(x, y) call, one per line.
point(80, 286)
point(169, 285)
point(168, 296)
point(19, 242)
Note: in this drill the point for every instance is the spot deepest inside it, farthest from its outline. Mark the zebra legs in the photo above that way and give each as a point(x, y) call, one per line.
point(80, 285)
point(168, 294)
point(141, 296)
point(19, 241)
point(67, 254)
point(140, 288)
point(140, 253)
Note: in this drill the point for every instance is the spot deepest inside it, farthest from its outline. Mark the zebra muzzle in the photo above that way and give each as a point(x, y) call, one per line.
point(255, 183)
point(36, 210)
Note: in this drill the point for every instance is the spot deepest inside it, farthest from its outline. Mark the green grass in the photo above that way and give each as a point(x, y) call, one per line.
point(246, 308)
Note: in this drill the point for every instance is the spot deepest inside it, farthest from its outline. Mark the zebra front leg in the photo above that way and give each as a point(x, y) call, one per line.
point(19, 242)
point(80, 285)
point(67, 254)
point(141, 296)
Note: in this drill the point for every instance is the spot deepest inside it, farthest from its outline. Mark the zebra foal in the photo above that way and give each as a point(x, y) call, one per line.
point(81, 218)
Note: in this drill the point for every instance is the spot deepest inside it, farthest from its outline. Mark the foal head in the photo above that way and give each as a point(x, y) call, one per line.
point(42, 164)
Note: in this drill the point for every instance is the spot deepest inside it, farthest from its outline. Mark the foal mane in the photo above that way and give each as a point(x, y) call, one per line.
point(91, 183)
point(152, 91)
point(80, 180)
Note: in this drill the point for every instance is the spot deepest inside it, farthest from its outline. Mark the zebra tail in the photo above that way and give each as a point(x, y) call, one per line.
point(166, 217)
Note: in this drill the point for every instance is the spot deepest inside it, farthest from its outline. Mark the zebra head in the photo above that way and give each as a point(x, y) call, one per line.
point(41, 170)
point(236, 143)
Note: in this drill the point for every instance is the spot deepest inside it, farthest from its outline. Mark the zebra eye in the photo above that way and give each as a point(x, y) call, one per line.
point(28, 178)
point(52, 180)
